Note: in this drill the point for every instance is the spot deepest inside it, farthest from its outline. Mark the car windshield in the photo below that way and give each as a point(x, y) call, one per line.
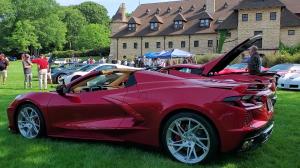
point(237, 66)
point(280, 67)
point(87, 68)
point(295, 68)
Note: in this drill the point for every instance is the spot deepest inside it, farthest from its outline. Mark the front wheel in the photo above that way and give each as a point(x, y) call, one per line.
point(189, 138)
point(30, 121)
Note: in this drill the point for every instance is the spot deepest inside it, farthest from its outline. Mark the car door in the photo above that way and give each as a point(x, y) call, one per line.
point(87, 112)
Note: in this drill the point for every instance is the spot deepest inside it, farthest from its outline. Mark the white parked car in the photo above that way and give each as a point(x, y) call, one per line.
point(60, 61)
point(93, 67)
point(290, 80)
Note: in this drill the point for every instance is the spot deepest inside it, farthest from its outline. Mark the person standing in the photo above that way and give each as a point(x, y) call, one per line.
point(43, 69)
point(3, 68)
point(27, 67)
point(254, 64)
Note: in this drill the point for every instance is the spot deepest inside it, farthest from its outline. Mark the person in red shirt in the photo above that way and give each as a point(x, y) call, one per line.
point(43, 70)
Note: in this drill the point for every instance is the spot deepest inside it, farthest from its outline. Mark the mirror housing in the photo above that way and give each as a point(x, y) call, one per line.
point(62, 89)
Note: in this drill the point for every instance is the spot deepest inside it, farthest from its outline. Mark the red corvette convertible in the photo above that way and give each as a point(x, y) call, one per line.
point(216, 69)
point(190, 119)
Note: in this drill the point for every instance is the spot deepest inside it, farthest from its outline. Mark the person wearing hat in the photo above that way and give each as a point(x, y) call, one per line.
point(27, 68)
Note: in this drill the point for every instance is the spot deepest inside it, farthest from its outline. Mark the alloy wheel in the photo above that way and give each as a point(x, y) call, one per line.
point(29, 122)
point(188, 140)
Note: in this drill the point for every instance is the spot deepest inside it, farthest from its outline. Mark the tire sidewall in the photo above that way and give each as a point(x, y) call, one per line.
point(214, 142)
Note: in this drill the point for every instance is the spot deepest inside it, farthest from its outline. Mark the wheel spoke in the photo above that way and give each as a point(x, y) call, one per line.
point(201, 145)
point(190, 151)
point(179, 128)
point(177, 133)
point(194, 152)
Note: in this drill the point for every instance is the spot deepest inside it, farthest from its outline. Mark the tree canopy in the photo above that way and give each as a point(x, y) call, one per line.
point(28, 25)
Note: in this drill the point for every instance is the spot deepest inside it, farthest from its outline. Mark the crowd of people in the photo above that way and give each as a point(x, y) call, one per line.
point(254, 61)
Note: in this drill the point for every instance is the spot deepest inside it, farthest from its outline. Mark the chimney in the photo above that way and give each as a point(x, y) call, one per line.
point(123, 12)
point(210, 6)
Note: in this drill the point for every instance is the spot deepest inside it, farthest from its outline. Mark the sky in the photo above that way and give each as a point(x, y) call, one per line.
point(111, 5)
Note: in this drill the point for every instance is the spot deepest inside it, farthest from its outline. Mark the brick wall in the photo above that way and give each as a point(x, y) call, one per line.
point(290, 40)
point(270, 28)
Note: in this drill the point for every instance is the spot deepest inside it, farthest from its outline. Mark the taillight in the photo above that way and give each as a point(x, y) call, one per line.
point(246, 101)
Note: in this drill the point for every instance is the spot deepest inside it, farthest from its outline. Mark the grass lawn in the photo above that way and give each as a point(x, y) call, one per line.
point(282, 150)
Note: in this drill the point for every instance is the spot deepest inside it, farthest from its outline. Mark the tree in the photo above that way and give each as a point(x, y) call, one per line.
point(74, 21)
point(93, 36)
point(94, 13)
point(51, 32)
point(7, 16)
point(24, 37)
point(34, 9)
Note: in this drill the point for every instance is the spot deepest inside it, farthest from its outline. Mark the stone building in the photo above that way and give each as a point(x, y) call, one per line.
point(195, 25)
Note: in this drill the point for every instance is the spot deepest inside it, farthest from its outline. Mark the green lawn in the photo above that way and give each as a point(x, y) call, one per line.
point(283, 149)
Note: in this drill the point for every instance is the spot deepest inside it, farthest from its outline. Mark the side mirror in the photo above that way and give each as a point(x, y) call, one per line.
point(61, 89)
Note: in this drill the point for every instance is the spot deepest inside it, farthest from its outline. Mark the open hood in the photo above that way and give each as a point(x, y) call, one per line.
point(220, 63)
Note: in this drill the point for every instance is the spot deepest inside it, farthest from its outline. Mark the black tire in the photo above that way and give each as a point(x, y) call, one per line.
point(58, 76)
point(39, 116)
point(74, 78)
point(212, 139)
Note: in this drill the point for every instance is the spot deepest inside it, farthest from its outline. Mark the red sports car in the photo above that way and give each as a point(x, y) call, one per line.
point(190, 119)
point(216, 69)
point(238, 68)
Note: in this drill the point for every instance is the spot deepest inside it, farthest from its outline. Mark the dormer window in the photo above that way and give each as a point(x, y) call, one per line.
point(155, 22)
point(178, 24)
point(204, 22)
point(154, 26)
point(131, 26)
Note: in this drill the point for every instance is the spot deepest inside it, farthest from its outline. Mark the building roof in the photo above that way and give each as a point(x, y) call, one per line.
point(135, 20)
point(180, 17)
point(120, 15)
point(289, 19)
point(224, 17)
point(156, 19)
point(255, 4)
point(231, 22)
point(190, 10)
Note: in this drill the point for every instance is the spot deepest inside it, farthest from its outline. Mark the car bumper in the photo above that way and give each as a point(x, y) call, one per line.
point(256, 138)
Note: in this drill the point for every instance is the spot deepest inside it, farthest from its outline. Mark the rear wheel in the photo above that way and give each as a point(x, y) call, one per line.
point(189, 138)
point(30, 121)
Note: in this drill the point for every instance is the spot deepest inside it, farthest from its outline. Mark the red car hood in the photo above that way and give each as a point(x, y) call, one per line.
point(220, 63)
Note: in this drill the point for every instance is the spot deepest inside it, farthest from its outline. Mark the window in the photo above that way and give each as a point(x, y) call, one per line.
point(124, 45)
point(154, 26)
point(146, 45)
point(210, 43)
point(182, 44)
point(204, 22)
point(259, 42)
point(228, 34)
point(273, 16)
point(196, 43)
point(131, 26)
point(104, 82)
point(157, 44)
point(258, 16)
point(244, 17)
point(170, 44)
point(135, 45)
point(291, 32)
point(178, 24)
